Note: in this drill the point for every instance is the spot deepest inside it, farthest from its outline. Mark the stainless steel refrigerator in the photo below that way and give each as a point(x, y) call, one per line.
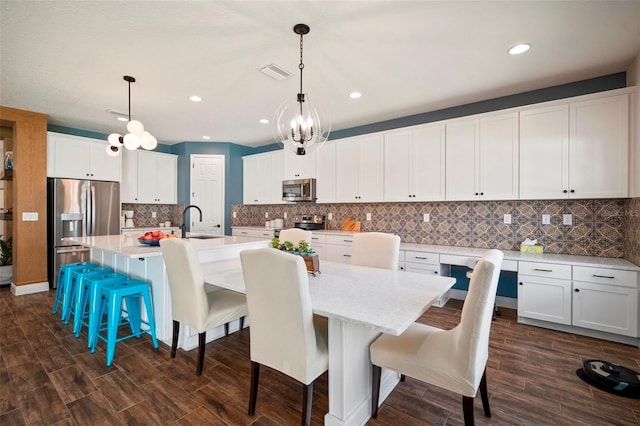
point(77, 208)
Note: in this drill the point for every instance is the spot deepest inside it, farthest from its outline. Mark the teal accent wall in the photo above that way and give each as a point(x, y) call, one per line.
point(507, 284)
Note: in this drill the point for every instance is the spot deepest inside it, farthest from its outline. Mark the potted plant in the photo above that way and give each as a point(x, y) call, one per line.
point(6, 261)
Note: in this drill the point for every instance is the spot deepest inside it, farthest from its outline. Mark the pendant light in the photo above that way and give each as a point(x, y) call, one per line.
point(297, 124)
point(137, 136)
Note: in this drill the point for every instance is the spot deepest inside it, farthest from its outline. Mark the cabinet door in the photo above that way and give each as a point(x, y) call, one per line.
point(544, 153)
point(337, 253)
point(129, 186)
point(326, 173)
point(71, 157)
point(103, 166)
point(546, 299)
point(606, 308)
point(147, 177)
point(166, 182)
point(277, 176)
point(250, 179)
point(346, 170)
point(370, 168)
point(397, 170)
point(462, 160)
point(428, 163)
point(599, 148)
point(299, 166)
point(499, 157)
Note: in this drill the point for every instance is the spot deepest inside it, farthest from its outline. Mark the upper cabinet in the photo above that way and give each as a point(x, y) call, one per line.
point(414, 163)
point(575, 150)
point(262, 178)
point(326, 173)
point(299, 166)
point(78, 157)
point(359, 168)
point(482, 158)
point(149, 177)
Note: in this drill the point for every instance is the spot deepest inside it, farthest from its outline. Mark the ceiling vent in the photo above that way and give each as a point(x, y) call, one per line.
point(275, 71)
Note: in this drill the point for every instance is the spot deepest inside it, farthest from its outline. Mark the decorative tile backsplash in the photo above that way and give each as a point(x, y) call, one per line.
point(599, 226)
point(142, 214)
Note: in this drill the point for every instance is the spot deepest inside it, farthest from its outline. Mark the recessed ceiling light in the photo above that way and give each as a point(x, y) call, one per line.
point(264, 121)
point(122, 119)
point(195, 98)
point(519, 48)
point(355, 95)
point(206, 137)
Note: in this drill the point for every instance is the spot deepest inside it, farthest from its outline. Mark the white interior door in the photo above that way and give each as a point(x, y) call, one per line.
point(207, 192)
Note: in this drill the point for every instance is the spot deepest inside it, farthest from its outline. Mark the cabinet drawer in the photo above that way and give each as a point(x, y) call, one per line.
point(550, 270)
point(344, 240)
point(606, 276)
point(422, 257)
point(317, 239)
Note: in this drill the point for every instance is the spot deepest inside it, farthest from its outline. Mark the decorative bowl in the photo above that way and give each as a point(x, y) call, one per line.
point(155, 242)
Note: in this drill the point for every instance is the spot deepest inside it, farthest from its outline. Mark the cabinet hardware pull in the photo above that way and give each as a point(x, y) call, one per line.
point(348, 241)
point(418, 257)
point(346, 255)
point(603, 276)
point(572, 191)
point(565, 191)
point(543, 270)
point(520, 283)
point(141, 259)
point(577, 290)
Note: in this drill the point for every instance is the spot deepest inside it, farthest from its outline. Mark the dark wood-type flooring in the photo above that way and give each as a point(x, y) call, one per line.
point(47, 376)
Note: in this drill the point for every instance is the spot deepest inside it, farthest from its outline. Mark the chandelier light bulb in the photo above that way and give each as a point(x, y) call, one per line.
point(147, 141)
point(131, 141)
point(136, 127)
point(114, 139)
point(112, 150)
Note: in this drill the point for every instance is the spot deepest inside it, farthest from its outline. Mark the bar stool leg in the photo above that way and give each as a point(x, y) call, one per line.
point(115, 311)
point(150, 318)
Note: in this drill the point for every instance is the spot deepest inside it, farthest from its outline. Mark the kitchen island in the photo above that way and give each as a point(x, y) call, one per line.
point(125, 254)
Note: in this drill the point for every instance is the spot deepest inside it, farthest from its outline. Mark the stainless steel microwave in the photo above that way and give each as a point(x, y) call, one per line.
point(299, 190)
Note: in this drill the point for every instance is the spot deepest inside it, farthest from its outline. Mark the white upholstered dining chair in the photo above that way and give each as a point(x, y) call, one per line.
point(284, 333)
point(295, 235)
point(375, 249)
point(454, 359)
point(193, 303)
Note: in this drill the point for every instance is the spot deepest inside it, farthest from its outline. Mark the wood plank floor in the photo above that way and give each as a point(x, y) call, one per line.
point(47, 376)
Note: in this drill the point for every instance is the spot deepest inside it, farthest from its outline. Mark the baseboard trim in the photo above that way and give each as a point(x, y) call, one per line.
point(21, 290)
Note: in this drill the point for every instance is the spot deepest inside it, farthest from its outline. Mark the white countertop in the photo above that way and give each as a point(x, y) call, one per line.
point(129, 245)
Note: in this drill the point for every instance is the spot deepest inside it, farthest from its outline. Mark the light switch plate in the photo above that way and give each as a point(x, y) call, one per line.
point(425, 217)
point(29, 216)
point(285, 215)
point(507, 219)
point(266, 215)
point(546, 219)
point(236, 215)
point(567, 219)
point(153, 214)
point(330, 216)
point(368, 216)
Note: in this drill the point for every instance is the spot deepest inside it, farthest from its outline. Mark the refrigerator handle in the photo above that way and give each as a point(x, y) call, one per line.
point(85, 222)
point(93, 210)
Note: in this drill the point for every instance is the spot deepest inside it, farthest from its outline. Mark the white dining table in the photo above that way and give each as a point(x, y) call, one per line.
point(360, 303)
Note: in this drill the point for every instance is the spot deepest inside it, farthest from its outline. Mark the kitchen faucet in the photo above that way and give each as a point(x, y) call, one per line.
point(184, 218)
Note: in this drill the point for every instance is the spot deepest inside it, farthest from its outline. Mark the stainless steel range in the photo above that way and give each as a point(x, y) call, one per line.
point(311, 222)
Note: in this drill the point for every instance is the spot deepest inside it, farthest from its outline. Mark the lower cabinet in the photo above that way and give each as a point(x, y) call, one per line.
point(428, 264)
point(253, 233)
point(338, 248)
point(593, 298)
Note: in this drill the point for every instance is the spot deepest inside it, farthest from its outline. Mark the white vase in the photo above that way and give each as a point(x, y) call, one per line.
point(6, 274)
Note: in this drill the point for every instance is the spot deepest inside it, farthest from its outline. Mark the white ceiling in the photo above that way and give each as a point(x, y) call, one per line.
point(67, 58)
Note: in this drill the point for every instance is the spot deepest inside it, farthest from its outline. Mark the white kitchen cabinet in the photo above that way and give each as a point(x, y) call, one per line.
point(326, 173)
point(262, 178)
point(78, 157)
point(428, 264)
point(299, 166)
point(318, 242)
point(544, 292)
point(338, 248)
point(575, 150)
point(606, 300)
point(482, 158)
point(360, 168)
point(264, 234)
point(149, 177)
point(414, 163)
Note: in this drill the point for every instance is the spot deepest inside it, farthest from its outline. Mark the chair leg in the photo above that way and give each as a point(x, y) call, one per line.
point(375, 389)
point(241, 323)
point(255, 378)
point(202, 340)
point(174, 340)
point(307, 403)
point(467, 408)
point(484, 394)
point(403, 377)
point(226, 328)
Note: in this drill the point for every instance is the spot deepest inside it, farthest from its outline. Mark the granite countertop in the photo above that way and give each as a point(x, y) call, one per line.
point(129, 245)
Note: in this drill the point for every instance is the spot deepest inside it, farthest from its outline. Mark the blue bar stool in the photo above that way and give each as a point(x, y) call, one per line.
point(76, 277)
point(133, 292)
point(64, 281)
point(87, 295)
